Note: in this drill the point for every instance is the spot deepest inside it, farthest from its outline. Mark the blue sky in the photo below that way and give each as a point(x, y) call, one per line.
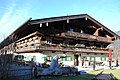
point(13, 13)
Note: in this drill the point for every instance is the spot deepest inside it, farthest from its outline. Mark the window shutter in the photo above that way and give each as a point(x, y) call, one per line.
point(90, 58)
point(105, 59)
point(51, 57)
point(95, 58)
point(45, 58)
point(70, 58)
point(101, 58)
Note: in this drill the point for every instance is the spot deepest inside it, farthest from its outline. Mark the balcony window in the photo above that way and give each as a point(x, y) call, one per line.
point(87, 44)
point(66, 42)
point(49, 41)
point(55, 41)
point(71, 29)
point(102, 46)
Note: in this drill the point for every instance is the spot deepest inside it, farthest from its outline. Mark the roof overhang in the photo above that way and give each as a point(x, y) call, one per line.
point(68, 17)
point(53, 19)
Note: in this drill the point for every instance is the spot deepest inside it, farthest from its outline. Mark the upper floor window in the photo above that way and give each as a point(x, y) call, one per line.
point(66, 42)
point(71, 29)
point(49, 41)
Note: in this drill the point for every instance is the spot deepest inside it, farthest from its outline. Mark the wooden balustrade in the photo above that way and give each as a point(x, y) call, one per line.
point(87, 36)
point(34, 43)
point(50, 47)
point(28, 44)
point(69, 49)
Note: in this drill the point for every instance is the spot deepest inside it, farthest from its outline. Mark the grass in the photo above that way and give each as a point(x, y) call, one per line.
point(115, 72)
point(89, 76)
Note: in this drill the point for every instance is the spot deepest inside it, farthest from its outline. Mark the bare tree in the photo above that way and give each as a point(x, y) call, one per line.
point(116, 50)
point(3, 66)
point(6, 60)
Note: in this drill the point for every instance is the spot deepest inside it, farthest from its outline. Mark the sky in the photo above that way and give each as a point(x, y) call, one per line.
point(13, 13)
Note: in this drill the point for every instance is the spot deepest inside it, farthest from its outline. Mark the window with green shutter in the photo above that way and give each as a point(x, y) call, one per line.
point(68, 58)
point(61, 59)
point(88, 58)
point(64, 59)
point(49, 58)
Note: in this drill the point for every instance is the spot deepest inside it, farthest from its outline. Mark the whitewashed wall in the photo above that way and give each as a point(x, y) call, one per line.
point(49, 53)
point(40, 56)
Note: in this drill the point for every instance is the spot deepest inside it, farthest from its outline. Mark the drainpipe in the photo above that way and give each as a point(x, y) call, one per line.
point(110, 58)
point(94, 64)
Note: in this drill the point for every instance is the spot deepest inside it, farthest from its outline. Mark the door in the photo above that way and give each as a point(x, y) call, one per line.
point(76, 61)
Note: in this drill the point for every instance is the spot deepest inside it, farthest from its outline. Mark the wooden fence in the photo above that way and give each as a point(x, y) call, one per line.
point(19, 73)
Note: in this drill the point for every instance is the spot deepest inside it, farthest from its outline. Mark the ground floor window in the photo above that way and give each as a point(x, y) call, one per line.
point(29, 58)
point(103, 58)
point(67, 58)
point(48, 58)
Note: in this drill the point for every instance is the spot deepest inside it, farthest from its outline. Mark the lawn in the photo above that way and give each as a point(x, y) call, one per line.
point(89, 76)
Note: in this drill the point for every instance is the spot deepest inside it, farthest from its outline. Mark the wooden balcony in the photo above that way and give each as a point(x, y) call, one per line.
point(33, 43)
point(88, 36)
point(73, 49)
point(10, 49)
point(51, 47)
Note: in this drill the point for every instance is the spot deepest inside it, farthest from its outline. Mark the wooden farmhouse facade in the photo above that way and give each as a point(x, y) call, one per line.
point(77, 37)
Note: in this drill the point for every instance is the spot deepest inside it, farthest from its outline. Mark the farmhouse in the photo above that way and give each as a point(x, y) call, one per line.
point(75, 38)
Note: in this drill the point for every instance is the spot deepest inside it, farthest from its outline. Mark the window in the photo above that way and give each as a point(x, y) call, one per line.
point(66, 42)
point(103, 58)
point(71, 29)
point(48, 58)
point(68, 58)
point(63, 59)
point(49, 41)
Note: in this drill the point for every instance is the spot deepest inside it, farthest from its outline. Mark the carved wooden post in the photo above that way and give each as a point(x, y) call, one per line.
point(97, 32)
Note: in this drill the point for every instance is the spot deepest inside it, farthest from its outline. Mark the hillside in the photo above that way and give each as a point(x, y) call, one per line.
point(118, 32)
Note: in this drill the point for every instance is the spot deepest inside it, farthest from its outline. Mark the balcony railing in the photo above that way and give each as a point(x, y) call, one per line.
point(52, 47)
point(88, 36)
